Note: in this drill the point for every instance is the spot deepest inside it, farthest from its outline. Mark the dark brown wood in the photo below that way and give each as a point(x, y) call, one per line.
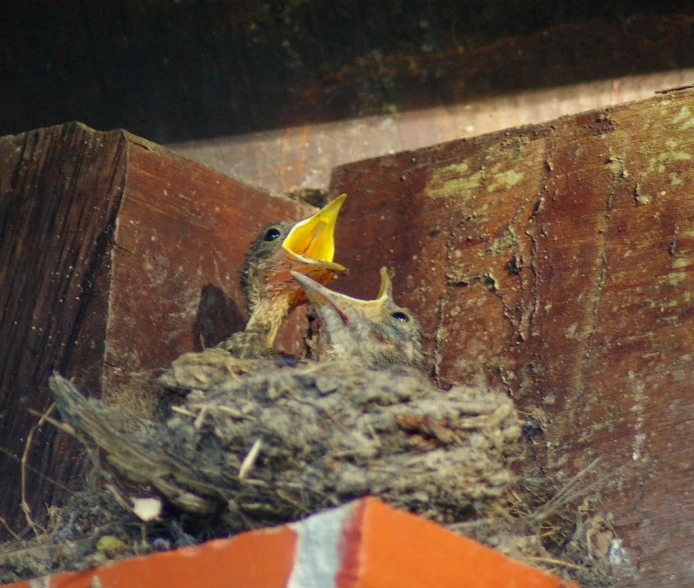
point(178, 71)
point(57, 205)
point(116, 256)
point(556, 262)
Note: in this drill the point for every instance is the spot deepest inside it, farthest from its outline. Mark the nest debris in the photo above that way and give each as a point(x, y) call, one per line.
point(243, 444)
point(324, 433)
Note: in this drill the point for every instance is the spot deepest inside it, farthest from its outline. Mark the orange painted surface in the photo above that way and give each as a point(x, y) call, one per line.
point(261, 558)
point(400, 550)
point(379, 547)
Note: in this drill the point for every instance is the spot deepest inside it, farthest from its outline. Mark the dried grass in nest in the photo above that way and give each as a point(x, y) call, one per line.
point(558, 530)
point(321, 435)
point(255, 443)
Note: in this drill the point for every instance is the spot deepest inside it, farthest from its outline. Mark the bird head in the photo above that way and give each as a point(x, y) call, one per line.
point(379, 332)
point(306, 247)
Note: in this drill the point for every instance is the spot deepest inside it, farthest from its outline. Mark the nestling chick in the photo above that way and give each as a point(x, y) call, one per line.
point(378, 332)
point(306, 247)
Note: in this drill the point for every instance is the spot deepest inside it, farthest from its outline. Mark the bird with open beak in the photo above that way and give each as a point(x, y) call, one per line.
point(378, 332)
point(307, 248)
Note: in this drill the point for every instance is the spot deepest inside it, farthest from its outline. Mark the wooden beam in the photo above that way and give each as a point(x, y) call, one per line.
point(116, 256)
point(555, 261)
point(181, 71)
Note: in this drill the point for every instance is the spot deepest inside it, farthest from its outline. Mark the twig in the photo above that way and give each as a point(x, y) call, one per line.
point(25, 458)
point(61, 426)
point(201, 417)
point(232, 412)
point(181, 410)
point(35, 470)
point(284, 496)
point(250, 459)
point(118, 497)
point(470, 525)
point(9, 529)
point(551, 560)
point(567, 494)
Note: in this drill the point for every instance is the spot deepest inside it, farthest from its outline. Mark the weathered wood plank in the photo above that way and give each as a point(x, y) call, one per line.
point(556, 262)
point(115, 256)
point(56, 212)
point(180, 239)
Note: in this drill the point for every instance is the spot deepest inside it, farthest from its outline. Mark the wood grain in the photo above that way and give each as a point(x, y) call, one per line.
point(116, 256)
point(279, 160)
point(179, 244)
point(57, 207)
point(555, 261)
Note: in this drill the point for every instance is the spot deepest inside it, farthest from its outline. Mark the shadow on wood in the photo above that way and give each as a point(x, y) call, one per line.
point(217, 316)
point(179, 71)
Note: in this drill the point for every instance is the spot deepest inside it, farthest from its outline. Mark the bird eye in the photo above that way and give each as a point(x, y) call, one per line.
point(401, 316)
point(271, 235)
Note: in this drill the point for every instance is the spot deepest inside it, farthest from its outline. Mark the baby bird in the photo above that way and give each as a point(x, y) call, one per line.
point(378, 332)
point(307, 248)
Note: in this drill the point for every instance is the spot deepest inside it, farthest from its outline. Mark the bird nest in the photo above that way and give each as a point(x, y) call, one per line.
point(263, 444)
point(240, 444)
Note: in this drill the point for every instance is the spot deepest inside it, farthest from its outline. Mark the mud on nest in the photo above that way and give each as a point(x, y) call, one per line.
point(320, 434)
point(239, 444)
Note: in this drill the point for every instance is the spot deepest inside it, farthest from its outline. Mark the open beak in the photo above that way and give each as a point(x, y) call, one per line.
point(312, 240)
point(308, 249)
point(346, 307)
point(321, 297)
